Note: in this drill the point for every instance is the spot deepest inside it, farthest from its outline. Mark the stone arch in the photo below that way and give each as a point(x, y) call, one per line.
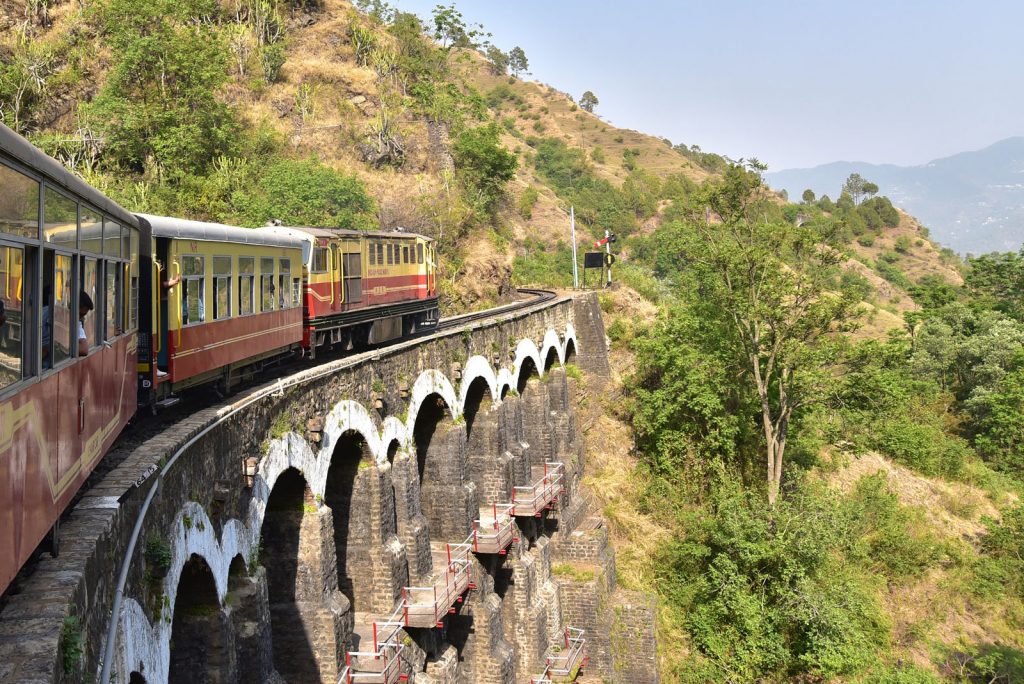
point(527, 371)
point(349, 493)
point(551, 359)
point(200, 650)
point(486, 454)
point(440, 464)
point(291, 551)
point(570, 350)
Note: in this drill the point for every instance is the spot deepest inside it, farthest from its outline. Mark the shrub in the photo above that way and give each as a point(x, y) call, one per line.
point(921, 446)
point(903, 244)
point(866, 240)
point(307, 193)
point(526, 202)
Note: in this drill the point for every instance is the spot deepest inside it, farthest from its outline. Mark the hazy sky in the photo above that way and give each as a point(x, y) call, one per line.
point(794, 83)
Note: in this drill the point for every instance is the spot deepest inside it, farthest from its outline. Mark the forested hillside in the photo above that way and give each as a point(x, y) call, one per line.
point(814, 451)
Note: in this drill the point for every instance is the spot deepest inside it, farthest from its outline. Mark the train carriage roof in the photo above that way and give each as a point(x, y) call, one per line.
point(345, 233)
point(25, 153)
point(184, 229)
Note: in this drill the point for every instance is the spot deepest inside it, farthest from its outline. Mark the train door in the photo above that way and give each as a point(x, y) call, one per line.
point(161, 274)
point(431, 271)
point(337, 298)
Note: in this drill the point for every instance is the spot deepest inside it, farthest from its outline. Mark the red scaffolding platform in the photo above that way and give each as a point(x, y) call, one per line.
point(564, 661)
point(547, 485)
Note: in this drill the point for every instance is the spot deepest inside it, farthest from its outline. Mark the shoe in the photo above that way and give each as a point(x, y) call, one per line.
point(160, 373)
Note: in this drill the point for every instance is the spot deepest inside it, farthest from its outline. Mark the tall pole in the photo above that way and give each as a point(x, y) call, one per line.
point(575, 272)
point(608, 250)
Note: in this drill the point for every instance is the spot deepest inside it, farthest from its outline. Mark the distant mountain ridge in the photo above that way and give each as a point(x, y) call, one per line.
point(971, 201)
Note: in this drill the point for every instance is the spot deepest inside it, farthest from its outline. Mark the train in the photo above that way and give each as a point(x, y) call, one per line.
point(105, 313)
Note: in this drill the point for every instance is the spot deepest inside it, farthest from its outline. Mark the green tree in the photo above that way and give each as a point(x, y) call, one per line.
point(497, 60)
point(160, 101)
point(483, 166)
point(306, 193)
point(858, 187)
point(451, 29)
point(808, 196)
point(518, 62)
point(588, 101)
point(771, 282)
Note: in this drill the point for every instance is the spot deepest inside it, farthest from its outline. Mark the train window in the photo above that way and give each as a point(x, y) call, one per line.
point(12, 261)
point(90, 230)
point(111, 238)
point(353, 277)
point(391, 257)
point(297, 291)
point(193, 277)
point(419, 252)
point(58, 317)
point(284, 281)
point(90, 280)
point(405, 254)
point(221, 287)
point(60, 220)
point(247, 272)
point(133, 289)
point(372, 252)
point(126, 245)
point(112, 311)
point(380, 253)
point(267, 284)
point(319, 260)
point(19, 204)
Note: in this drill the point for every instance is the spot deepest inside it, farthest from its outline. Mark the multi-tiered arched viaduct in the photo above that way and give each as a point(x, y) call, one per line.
point(396, 514)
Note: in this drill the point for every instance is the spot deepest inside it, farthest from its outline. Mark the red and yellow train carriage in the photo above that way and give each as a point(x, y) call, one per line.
point(364, 287)
point(62, 404)
point(223, 300)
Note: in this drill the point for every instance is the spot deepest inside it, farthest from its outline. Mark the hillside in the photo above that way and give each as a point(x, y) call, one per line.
point(972, 201)
point(317, 112)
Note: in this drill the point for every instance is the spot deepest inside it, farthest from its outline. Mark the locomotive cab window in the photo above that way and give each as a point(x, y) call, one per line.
point(193, 278)
point(246, 276)
point(419, 252)
point(221, 287)
point(319, 260)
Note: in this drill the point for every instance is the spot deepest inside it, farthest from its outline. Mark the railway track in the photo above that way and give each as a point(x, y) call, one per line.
point(146, 427)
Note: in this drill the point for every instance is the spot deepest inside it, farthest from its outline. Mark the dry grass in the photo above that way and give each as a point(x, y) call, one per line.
point(952, 509)
point(920, 260)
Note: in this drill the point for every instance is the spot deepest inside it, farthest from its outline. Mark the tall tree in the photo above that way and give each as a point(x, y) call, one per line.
point(808, 196)
point(770, 282)
point(518, 62)
point(588, 101)
point(497, 60)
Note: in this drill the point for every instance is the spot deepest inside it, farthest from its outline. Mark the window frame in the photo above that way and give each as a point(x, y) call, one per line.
point(251, 276)
point(202, 288)
point(216, 277)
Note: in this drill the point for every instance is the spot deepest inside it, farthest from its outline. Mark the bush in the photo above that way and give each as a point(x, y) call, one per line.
point(921, 446)
point(307, 193)
point(526, 202)
point(903, 244)
point(866, 240)
point(483, 165)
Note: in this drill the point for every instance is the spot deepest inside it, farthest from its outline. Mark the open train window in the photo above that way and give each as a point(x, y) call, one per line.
point(113, 308)
point(284, 280)
point(193, 302)
point(58, 309)
point(90, 280)
point(267, 284)
point(221, 287)
point(246, 275)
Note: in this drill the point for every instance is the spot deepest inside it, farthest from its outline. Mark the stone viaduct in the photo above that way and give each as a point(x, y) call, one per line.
point(410, 512)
